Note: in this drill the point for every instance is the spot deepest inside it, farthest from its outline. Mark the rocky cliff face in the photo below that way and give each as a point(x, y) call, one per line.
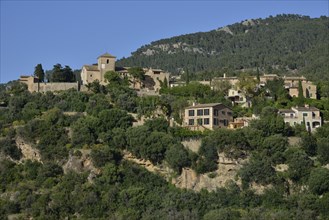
point(81, 164)
point(189, 179)
point(28, 151)
point(226, 172)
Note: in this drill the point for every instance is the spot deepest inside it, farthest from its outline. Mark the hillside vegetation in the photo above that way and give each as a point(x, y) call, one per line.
point(78, 169)
point(284, 44)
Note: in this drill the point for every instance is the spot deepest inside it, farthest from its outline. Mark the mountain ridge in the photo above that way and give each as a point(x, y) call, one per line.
point(287, 44)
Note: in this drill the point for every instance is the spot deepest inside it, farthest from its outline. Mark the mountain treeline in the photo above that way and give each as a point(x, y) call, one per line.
point(284, 44)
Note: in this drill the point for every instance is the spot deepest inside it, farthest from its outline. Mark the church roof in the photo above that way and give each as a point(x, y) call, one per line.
point(91, 67)
point(107, 55)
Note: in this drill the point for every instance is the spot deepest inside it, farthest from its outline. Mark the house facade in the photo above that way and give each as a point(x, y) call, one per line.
point(241, 122)
point(310, 116)
point(207, 116)
point(237, 97)
point(309, 89)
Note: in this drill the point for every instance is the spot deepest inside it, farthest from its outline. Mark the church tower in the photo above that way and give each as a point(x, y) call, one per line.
point(106, 62)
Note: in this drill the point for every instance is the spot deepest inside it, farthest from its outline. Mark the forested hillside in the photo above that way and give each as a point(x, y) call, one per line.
point(284, 44)
point(62, 156)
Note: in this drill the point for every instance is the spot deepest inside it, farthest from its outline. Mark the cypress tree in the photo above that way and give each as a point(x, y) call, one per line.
point(301, 99)
point(187, 77)
point(38, 72)
point(258, 75)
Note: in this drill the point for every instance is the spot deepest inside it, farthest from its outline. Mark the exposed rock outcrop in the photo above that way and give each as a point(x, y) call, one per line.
point(226, 172)
point(29, 152)
point(226, 30)
point(80, 164)
point(192, 144)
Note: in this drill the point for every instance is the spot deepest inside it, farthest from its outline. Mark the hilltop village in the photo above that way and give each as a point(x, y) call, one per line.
point(108, 137)
point(196, 116)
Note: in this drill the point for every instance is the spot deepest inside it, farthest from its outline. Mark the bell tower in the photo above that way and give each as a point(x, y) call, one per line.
point(106, 62)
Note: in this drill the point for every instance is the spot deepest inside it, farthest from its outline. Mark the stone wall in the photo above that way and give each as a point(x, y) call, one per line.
point(52, 87)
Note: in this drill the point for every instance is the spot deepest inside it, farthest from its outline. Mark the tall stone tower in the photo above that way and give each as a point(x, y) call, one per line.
point(106, 62)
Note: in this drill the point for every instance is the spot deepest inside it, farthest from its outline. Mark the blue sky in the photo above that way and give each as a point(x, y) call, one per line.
point(74, 33)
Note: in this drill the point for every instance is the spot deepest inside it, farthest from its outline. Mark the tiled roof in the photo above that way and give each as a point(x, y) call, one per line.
point(207, 105)
point(107, 55)
point(91, 67)
point(286, 111)
point(306, 109)
point(294, 77)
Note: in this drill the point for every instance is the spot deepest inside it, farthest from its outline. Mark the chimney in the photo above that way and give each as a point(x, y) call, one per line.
point(193, 104)
point(307, 106)
point(224, 75)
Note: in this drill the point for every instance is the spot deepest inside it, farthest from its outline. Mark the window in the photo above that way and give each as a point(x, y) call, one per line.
point(191, 122)
point(206, 121)
point(223, 112)
point(206, 111)
point(229, 113)
point(107, 61)
point(216, 112)
point(305, 114)
point(215, 121)
point(190, 112)
point(91, 75)
point(291, 115)
point(199, 112)
point(199, 121)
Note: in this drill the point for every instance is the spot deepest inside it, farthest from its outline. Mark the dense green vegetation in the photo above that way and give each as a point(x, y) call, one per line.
point(101, 123)
point(282, 44)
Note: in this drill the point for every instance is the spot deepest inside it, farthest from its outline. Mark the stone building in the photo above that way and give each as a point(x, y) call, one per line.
point(90, 73)
point(106, 62)
point(30, 81)
point(292, 83)
point(310, 116)
point(241, 122)
point(207, 116)
point(237, 97)
point(232, 80)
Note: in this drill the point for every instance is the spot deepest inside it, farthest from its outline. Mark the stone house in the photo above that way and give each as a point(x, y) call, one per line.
point(233, 80)
point(207, 116)
point(292, 83)
point(241, 122)
point(310, 116)
point(238, 98)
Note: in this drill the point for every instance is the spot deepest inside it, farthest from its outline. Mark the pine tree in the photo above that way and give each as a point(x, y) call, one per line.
point(38, 72)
